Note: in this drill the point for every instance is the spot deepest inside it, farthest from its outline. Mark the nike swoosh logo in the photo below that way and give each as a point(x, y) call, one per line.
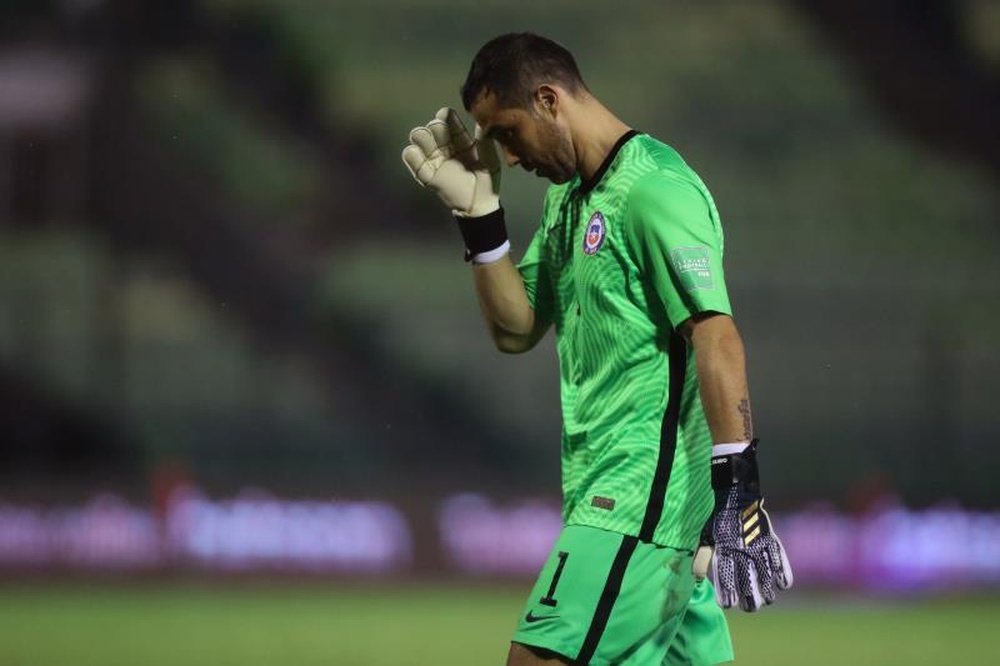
point(531, 617)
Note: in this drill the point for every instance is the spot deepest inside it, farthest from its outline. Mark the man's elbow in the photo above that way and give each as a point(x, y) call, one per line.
point(509, 343)
point(516, 335)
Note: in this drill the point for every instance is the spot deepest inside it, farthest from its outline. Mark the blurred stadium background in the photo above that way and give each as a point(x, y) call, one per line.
point(237, 418)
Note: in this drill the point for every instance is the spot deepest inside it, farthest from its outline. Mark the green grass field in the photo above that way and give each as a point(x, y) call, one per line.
point(258, 623)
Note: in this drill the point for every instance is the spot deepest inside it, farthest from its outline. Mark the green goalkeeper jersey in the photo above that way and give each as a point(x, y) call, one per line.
point(618, 263)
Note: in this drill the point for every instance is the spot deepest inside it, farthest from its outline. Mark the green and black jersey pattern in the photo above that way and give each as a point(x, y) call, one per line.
point(616, 266)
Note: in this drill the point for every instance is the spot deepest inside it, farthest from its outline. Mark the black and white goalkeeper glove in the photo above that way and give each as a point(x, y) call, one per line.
point(749, 564)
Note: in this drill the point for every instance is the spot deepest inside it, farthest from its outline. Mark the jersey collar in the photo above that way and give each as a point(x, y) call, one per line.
point(587, 185)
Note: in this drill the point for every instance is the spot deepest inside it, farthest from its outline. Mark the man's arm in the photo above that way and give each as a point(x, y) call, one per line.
point(721, 368)
point(509, 316)
point(750, 563)
point(465, 174)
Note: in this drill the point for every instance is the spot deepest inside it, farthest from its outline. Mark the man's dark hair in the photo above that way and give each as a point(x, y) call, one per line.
point(511, 66)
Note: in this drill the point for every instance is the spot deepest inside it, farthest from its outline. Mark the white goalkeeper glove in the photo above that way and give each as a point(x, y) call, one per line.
point(749, 564)
point(463, 172)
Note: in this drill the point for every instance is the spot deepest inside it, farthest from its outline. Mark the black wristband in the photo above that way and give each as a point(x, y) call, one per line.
point(482, 234)
point(737, 469)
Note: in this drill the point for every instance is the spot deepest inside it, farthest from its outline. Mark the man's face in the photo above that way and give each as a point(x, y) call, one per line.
point(531, 137)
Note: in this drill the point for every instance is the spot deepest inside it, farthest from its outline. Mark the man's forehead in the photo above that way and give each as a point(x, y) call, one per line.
point(488, 112)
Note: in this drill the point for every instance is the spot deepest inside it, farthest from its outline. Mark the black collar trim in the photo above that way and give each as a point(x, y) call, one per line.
point(587, 185)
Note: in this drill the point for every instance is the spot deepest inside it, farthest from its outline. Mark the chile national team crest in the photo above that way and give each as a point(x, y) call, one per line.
point(596, 230)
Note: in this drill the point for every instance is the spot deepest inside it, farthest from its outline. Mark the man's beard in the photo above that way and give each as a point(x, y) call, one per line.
point(561, 165)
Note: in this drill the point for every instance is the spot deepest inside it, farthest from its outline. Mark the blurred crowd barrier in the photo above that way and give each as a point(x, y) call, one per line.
point(889, 549)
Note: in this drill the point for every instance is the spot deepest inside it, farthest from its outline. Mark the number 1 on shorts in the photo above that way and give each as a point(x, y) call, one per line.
point(549, 598)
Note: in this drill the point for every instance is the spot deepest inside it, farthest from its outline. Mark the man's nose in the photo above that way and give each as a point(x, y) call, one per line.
point(512, 159)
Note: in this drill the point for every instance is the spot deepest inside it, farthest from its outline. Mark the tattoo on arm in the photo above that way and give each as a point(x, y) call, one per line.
point(744, 408)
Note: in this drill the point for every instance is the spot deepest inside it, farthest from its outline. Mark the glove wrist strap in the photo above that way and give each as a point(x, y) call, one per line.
point(726, 449)
point(731, 469)
point(485, 236)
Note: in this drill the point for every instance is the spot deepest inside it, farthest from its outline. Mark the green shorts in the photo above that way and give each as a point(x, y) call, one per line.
point(605, 598)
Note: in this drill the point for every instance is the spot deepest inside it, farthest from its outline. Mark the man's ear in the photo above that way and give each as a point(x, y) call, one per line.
point(547, 99)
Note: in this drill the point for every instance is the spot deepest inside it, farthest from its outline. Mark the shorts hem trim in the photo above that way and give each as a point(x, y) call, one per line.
point(532, 640)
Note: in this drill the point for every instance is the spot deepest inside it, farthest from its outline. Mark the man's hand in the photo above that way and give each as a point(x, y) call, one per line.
point(749, 564)
point(464, 172)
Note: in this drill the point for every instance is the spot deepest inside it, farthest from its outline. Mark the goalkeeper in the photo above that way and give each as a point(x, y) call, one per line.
point(658, 455)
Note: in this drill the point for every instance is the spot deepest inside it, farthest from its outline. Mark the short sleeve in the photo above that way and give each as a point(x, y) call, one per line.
point(677, 243)
point(534, 272)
